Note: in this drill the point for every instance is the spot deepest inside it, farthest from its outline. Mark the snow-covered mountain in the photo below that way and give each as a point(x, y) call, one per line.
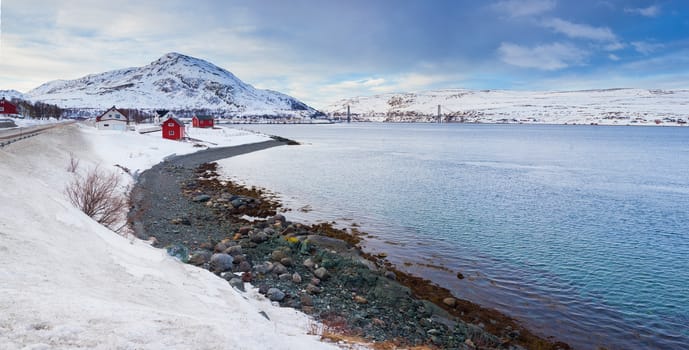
point(174, 81)
point(611, 106)
point(10, 94)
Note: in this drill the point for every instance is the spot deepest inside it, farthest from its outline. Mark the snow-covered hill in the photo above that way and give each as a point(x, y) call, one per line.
point(612, 107)
point(174, 81)
point(10, 94)
point(67, 282)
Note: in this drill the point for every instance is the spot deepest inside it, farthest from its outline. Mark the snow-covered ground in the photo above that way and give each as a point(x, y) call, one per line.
point(67, 282)
point(25, 122)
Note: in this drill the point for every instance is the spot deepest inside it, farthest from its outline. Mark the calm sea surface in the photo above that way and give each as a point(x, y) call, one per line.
point(581, 232)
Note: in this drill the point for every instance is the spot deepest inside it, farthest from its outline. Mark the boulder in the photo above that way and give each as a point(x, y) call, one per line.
point(220, 247)
point(309, 264)
point(287, 261)
point(263, 268)
point(244, 266)
point(221, 262)
point(279, 217)
point(306, 300)
point(360, 300)
point(247, 277)
point(279, 268)
point(278, 255)
point(288, 230)
point(321, 273)
point(233, 250)
point(275, 294)
point(179, 251)
point(200, 257)
point(258, 237)
point(311, 289)
point(239, 258)
point(201, 198)
point(296, 277)
point(237, 283)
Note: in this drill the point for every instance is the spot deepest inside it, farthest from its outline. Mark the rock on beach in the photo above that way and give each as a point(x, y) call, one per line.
point(221, 262)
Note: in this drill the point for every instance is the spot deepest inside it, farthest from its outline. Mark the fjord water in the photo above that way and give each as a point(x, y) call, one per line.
point(581, 232)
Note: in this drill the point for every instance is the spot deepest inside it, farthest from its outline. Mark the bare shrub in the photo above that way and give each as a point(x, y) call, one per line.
point(73, 164)
point(97, 196)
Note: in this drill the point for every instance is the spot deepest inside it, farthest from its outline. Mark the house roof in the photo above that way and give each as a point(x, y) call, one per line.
point(203, 117)
point(162, 112)
point(113, 108)
point(179, 122)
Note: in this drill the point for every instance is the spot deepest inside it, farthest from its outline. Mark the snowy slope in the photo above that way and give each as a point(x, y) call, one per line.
point(10, 94)
point(67, 282)
point(174, 81)
point(612, 106)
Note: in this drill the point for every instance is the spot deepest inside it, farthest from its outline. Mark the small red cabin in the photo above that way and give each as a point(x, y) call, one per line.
point(173, 129)
point(7, 108)
point(202, 121)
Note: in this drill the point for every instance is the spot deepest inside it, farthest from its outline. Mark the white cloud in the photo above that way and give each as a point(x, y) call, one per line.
point(545, 57)
point(367, 83)
point(521, 8)
point(646, 48)
point(651, 11)
point(615, 46)
point(613, 57)
point(580, 31)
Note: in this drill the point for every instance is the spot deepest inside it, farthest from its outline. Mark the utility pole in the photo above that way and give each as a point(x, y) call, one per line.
point(349, 115)
point(439, 118)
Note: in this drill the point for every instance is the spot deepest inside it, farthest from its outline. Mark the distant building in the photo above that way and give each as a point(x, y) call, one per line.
point(7, 109)
point(202, 121)
point(173, 129)
point(112, 119)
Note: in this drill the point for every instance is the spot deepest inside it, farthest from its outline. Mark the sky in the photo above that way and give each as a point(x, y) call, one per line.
point(323, 50)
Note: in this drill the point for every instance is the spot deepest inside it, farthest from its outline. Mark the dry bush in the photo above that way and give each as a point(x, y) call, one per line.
point(97, 196)
point(73, 164)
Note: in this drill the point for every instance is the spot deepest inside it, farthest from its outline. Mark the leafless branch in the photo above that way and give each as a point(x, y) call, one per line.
point(73, 164)
point(97, 196)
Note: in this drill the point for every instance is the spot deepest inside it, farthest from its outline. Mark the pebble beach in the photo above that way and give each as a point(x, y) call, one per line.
point(242, 235)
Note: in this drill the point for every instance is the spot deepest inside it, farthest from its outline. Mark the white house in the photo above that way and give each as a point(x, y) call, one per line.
point(112, 119)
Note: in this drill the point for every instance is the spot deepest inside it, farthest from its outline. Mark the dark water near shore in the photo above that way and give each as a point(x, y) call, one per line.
point(582, 232)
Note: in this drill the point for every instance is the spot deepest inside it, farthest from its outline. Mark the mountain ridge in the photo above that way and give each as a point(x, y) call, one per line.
point(617, 106)
point(173, 81)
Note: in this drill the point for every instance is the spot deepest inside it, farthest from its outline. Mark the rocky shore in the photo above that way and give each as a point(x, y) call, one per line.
point(239, 234)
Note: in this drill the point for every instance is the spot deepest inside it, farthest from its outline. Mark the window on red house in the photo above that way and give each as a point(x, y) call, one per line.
point(171, 133)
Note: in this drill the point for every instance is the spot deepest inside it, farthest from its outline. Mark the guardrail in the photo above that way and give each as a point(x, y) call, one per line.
point(8, 136)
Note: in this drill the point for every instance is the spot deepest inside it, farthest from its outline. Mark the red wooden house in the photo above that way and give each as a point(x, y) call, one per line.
point(202, 121)
point(7, 108)
point(173, 129)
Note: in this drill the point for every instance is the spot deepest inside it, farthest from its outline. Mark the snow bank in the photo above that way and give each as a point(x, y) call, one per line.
point(67, 282)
